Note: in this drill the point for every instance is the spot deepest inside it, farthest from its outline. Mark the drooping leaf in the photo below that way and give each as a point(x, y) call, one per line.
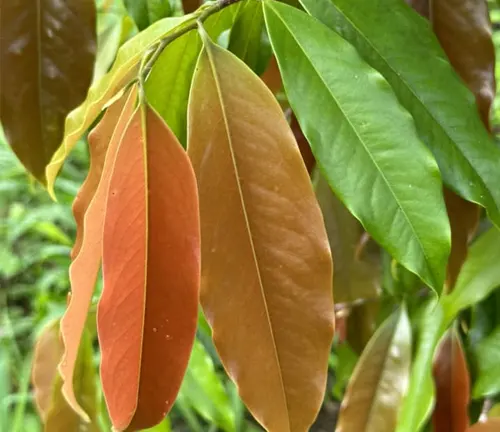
point(148, 310)
point(479, 276)
point(204, 391)
point(85, 266)
point(246, 36)
point(168, 84)
point(379, 381)
point(55, 412)
point(444, 111)
point(47, 53)
point(266, 266)
point(451, 378)
point(372, 158)
point(101, 92)
point(491, 425)
point(486, 355)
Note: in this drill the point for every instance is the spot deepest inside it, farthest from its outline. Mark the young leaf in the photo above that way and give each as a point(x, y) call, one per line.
point(444, 111)
point(379, 381)
point(191, 5)
point(372, 158)
point(85, 266)
point(47, 52)
point(451, 378)
point(122, 72)
point(149, 307)
point(267, 270)
point(491, 425)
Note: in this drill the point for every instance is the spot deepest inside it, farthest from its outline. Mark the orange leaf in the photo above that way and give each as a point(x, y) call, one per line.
point(147, 315)
point(491, 425)
point(451, 378)
point(85, 266)
point(266, 267)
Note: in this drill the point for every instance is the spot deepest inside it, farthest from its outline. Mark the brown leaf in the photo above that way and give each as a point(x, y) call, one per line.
point(266, 267)
point(272, 77)
point(380, 379)
point(491, 425)
point(47, 52)
point(147, 314)
point(304, 147)
point(421, 6)
point(451, 378)
point(191, 5)
point(85, 266)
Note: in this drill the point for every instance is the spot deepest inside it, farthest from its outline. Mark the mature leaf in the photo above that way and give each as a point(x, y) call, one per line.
point(148, 310)
point(392, 185)
point(47, 53)
point(205, 392)
point(101, 92)
point(266, 259)
point(479, 276)
point(412, 61)
point(418, 402)
point(85, 266)
point(379, 381)
point(486, 354)
point(146, 12)
point(54, 411)
point(451, 377)
point(491, 425)
point(168, 84)
point(245, 40)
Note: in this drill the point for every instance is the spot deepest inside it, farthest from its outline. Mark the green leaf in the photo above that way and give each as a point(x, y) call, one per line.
point(487, 354)
point(245, 40)
point(164, 426)
point(419, 399)
point(409, 56)
point(203, 390)
point(47, 55)
point(479, 276)
point(146, 12)
point(371, 157)
point(122, 72)
point(168, 84)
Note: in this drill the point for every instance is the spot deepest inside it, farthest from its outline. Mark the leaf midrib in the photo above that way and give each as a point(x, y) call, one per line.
point(360, 140)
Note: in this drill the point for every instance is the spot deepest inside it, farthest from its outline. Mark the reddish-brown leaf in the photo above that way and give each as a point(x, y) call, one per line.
point(151, 267)
point(451, 378)
point(85, 266)
point(421, 6)
point(191, 5)
point(304, 147)
point(266, 267)
point(491, 425)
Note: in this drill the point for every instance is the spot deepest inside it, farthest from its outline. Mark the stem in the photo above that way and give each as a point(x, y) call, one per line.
point(210, 10)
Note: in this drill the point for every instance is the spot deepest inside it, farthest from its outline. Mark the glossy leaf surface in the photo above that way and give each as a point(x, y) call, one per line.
point(451, 378)
point(124, 69)
point(47, 53)
point(380, 378)
point(90, 218)
point(266, 266)
point(486, 354)
point(410, 58)
point(148, 310)
point(372, 159)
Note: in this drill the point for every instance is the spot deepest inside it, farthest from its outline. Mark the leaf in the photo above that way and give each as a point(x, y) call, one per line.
point(377, 147)
point(421, 6)
point(191, 5)
point(204, 391)
point(146, 12)
point(380, 378)
point(419, 399)
point(267, 271)
point(55, 412)
point(122, 72)
point(451, 377)
point(444, 111)
point(167, 87)
point(147, 314)
point(486, 354)
point(491, 425)
point(47, 52)
point(479, 276)
point(245, 39)
point(85, 266)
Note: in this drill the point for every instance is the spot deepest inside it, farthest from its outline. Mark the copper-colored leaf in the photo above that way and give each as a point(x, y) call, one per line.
point(147, 314)
point(272, 76)
point(304, 147)
point(266, 267)
point(491, 425)
point(451, 378)
point(47, 51)
point(85, 266)
point(380, 379)
point(191, 5)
